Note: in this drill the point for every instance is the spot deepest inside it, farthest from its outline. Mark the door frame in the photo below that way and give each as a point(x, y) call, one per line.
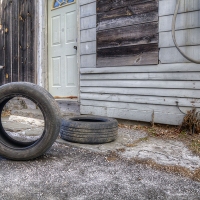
point(41, 24)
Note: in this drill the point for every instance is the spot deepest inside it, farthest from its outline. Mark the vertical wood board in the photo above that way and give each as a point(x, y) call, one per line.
point(17, 41)
point(8, 41)
point(2, 44)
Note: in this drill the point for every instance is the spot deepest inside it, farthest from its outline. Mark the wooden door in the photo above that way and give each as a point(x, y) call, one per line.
point(17, 41)
point(62, 43)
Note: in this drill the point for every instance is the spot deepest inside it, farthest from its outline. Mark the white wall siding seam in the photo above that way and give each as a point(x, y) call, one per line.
point(85, 2)
point(88, 10)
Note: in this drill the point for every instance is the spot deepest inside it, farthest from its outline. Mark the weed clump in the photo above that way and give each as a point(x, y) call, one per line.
point(191, 122)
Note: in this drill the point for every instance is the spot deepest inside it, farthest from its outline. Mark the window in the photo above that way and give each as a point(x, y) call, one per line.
point(59, 3)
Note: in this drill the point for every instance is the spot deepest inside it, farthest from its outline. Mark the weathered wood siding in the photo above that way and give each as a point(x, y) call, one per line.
point(127, 33)
point(17, 32)
point(161, 93)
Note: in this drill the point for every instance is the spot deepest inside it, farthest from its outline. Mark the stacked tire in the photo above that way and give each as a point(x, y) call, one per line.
point(17, 150)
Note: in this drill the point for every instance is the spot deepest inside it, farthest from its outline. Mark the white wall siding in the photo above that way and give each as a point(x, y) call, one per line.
point(159, 93)
point(88, 33)
point(167, 7)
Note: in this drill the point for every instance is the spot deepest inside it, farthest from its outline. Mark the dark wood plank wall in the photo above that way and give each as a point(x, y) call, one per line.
point(15, 41)
point(2, 52)
point(17, 53)
point(127, 32)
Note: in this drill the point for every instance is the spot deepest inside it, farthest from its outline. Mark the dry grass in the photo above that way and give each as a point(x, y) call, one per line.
point(188, 132)
point(113, 156)
point(5, 113)
point(171, 169)
point(191, 122)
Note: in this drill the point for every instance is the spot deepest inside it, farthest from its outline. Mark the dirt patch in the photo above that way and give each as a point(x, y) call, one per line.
point(5, 113)
point(179, 133)
point(178, 170)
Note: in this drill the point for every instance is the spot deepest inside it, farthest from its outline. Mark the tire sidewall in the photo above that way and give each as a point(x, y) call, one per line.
point(50, 112)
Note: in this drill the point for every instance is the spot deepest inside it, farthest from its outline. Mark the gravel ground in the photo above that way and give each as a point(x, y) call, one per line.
point(73, 173)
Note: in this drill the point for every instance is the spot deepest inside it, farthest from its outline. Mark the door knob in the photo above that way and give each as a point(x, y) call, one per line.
point(75, 47)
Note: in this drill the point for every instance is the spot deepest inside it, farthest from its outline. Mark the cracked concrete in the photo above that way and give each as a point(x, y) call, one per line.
point(164, 152)
point(134, 144)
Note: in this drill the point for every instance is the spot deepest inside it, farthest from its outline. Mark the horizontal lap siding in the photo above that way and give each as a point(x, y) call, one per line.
point(161, 93)
point(187, 31)
point(88, 33)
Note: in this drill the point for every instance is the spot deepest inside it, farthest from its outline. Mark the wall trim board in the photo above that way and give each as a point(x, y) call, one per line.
point(143, 91)
point(135, 106)
point(174, 67)
point(174, 76)
point(172, 101)
point(194, 85)
point(137, 115)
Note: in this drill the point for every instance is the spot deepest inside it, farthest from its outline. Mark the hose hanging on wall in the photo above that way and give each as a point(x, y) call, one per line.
point(174, 37)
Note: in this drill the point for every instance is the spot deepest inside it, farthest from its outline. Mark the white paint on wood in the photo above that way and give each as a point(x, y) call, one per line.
point(189, 37)
point(172, 55)
point(89, 110)
point(146, 76)
point(88, 22)
point(88, 35)
point(188, 102)
point(41, 40)
point(62, 37)
point(145, 116)
point(134, 92)
point(142, 84)
point(88, 9)
point(184, 21)
point(167, 7)
point(165, 118)
point(143, 91)
point(83, 2)
point(175, 67)
point(88, 48)
point(88, 61)
point(132, 106)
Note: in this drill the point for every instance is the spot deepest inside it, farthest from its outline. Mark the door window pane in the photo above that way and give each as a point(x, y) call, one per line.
point(59, 3)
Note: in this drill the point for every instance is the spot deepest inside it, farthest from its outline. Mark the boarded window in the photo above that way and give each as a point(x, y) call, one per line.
point(127, 32)
point(17, 41)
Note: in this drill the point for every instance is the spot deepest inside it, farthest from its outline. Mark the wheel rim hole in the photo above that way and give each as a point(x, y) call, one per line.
point(22, 120)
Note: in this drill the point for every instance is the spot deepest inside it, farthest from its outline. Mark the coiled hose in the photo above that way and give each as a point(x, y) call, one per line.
point(174, 37)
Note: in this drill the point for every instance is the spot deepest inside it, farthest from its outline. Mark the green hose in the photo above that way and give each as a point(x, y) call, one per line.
point(174, 37)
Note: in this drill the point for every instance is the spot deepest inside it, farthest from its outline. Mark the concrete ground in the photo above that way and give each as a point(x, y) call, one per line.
point(135, 166)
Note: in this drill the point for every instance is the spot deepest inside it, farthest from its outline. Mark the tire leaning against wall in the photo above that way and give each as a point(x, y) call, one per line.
point(15, 150)
point(89, 129)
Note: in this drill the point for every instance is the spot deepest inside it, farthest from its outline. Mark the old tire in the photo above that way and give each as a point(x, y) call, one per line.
point(15, 150)
point(89, 129)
